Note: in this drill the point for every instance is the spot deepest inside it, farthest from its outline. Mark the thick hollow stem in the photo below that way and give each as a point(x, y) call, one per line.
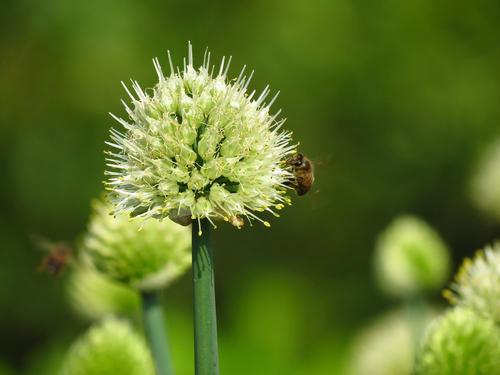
point(205, 322)
point(155, 332)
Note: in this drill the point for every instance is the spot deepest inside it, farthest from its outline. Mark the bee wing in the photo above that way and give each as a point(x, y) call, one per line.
point(323, 160)
point(42, 243)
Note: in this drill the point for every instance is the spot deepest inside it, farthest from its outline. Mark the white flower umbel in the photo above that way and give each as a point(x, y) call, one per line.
point(460, 343)
point(477, 284)
point(198, 145)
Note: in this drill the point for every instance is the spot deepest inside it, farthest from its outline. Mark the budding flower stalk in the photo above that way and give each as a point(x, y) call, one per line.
point(199, 146)
point(146, 256)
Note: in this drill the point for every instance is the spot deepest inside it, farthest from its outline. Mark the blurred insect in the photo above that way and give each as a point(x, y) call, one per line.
point(59, 256)
point(303, 171)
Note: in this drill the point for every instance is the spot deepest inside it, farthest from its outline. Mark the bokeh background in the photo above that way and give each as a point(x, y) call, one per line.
point(395, 101)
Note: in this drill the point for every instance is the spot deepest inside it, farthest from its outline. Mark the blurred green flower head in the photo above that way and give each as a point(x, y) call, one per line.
point(383, 348)
point(108, 349)
point(460, 343)
point(477, 284)
point(199, 146)
point(146, 255)
point(411, 258)
point(485, 182)
point(94, 296)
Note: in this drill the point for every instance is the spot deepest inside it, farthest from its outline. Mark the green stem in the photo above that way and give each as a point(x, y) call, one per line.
point(205, 322)
point(154, 326)
point(416, 309)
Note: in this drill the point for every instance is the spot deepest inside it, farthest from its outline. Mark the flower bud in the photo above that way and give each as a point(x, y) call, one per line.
point(411, 258)
point(108, 349)
point(146, 255)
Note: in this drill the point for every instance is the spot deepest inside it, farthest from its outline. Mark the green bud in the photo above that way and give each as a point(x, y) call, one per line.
point(197, 181)
point(411, 258)
point(146, 255)
point(110, 348)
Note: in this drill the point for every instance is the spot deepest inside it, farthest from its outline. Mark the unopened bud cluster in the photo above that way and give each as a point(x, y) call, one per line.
point(111, 347)
point(145, 255)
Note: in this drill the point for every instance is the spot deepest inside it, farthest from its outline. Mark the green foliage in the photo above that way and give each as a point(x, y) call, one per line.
point(272, 313)
point(47, 359)
point(5, 369)
point(460, 343)
point(108, 349)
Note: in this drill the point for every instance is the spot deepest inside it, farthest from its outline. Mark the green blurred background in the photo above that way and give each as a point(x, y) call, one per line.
point(393, 100)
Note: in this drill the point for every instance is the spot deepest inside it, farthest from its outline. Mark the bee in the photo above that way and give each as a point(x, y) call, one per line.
point(59, 256)
point(303, 171)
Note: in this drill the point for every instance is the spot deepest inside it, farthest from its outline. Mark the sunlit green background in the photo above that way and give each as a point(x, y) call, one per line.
point(393, 100)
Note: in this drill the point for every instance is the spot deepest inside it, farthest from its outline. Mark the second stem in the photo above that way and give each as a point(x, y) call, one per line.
point(155, 332)
point(205, 321)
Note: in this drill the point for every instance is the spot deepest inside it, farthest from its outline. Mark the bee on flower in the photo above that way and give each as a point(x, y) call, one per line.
point(199, 145)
